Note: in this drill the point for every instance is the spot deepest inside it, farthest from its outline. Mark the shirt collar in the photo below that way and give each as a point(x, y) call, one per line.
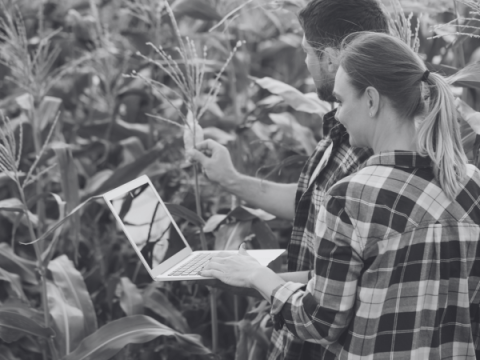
point(333, 128)
point(400, 158)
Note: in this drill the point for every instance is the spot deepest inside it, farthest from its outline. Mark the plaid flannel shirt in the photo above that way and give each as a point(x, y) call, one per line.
point(397, 267)
point(302, 247)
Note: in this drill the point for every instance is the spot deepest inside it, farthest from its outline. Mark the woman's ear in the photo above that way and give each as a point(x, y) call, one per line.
point(372, 97)
point(331, 57)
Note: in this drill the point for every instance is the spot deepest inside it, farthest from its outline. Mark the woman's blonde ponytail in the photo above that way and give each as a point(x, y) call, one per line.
point(438, 136)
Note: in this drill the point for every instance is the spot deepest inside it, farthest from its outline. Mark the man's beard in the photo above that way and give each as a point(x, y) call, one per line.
point(325, 93)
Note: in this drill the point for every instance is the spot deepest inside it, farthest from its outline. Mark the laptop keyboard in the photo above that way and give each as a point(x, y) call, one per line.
point(192, 267)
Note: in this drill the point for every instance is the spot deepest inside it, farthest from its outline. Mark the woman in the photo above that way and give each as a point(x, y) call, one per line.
point(397, 272)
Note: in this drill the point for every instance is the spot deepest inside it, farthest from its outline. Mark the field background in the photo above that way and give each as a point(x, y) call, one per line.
point(95, 93)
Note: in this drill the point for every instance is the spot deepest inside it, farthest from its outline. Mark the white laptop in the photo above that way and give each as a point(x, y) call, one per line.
point(156, 238)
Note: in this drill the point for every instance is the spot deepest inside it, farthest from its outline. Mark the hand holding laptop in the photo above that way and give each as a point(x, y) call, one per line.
point(233, 269)
point(157, 239)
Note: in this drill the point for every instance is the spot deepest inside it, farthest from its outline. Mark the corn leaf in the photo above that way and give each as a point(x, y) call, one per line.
point(130, 171)
point(137, 329)
point(10, 262)
point(70, 282)
point(48, 253)
point(14, 325)
point(184, 213)
point(157, 302)
point(264, 235)
point(198, 9)
point(48, 109)
point(214, 222)
point(297, 133)
point(131, 300)
point(59, 223)
point(293, 97)
point(68, 319)
point(120, 130)
point(11, 205)
point(469, 76)
point(231, 236)
point(468, 114)
point(70, 188)
point(14, 283)
point(6, 354)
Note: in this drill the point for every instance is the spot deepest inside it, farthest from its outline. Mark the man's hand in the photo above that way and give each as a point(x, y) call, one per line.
point(215, 160)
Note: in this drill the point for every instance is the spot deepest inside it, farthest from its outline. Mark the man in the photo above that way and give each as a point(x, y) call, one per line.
point(325, 23)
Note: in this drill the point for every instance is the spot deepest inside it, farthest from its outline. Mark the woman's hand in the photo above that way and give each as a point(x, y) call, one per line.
point(242, 270)
point(234, 269)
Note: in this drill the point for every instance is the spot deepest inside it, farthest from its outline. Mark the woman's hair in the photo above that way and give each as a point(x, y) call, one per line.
point(390, 66)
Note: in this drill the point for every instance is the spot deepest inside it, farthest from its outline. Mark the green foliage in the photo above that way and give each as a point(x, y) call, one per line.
point(84, 84)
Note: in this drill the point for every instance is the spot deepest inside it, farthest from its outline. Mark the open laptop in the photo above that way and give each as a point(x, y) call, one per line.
point(156, 238)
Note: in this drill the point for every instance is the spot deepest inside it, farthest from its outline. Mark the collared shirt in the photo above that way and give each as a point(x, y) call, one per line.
point(342, 161)
point(397, 267)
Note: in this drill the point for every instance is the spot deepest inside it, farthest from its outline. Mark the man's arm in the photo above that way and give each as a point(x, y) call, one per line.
point(274, 198)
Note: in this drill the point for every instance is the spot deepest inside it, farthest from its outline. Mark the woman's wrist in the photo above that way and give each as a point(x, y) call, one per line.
point(265, 280)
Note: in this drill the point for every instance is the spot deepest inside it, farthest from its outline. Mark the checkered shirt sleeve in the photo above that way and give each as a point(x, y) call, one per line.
point(338, 266)
point(397, 270)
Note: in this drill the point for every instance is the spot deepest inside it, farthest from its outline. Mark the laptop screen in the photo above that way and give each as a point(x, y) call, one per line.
point(148, 224)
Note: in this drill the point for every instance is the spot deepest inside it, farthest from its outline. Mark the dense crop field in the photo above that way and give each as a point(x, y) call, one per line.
point(95, 93)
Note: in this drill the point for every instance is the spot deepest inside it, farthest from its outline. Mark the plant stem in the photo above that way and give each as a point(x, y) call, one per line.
point(203, 239)
point(214, 316)
point(38, 246)
point(213, 291)
point(41, 271)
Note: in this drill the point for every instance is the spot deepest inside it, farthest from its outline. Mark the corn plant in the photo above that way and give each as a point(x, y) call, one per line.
point(468, 26)
point(190, 85)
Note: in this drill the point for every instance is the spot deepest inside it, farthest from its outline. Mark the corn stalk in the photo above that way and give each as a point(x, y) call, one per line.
point(10, 156)
point(189, 82)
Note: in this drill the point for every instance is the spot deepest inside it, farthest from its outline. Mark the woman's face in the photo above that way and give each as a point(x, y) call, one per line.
point(353, 110)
